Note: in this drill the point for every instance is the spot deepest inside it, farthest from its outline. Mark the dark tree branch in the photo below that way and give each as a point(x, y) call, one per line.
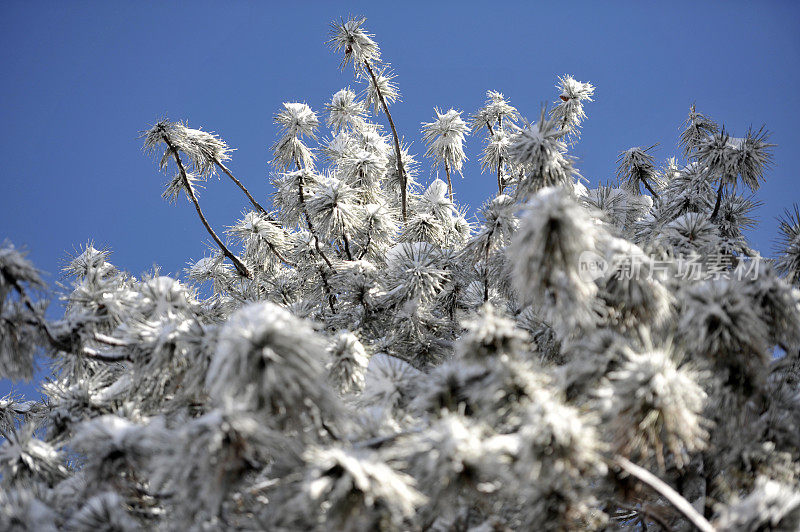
point(366, 245)
point(241, 268)
point(449, 183)
point(400, 169)
point(499, 159)
point(258, 207)
point(719, 200)
point(663, 489)
point(323, 275)
point(347, 246)
point(39, 321)
point(649, 188)
point(94, 354)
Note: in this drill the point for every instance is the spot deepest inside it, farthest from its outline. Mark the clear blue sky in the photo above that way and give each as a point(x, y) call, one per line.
point(79, 80)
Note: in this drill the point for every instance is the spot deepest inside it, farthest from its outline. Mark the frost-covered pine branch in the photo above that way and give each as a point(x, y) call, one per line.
point(445, 140)
point(362, 355)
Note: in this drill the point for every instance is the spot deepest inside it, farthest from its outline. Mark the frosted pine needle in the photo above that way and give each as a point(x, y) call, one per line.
point(350, 38)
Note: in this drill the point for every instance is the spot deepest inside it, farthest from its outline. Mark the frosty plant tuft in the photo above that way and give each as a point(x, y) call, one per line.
point(356, 353)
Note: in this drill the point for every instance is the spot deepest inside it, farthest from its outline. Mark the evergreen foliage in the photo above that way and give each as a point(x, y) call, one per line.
point(362, 356)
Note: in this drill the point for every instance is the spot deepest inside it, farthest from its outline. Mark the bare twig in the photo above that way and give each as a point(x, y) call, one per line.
point(109, 340)
point(649, 188)
point(663, 489)
point(499, 158)
point(323, 275)
point(104, 357)
point(241, 268)
point(719, 201)
point(259, 208)
point(57, 344)
point(366, 245)
point(400, 169)
point(302, 199)
point(241, 186)
point(449, 183)
point(347, 246)
point(486, 272)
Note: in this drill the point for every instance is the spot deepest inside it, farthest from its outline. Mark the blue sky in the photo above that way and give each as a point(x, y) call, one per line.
point(81, 79)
